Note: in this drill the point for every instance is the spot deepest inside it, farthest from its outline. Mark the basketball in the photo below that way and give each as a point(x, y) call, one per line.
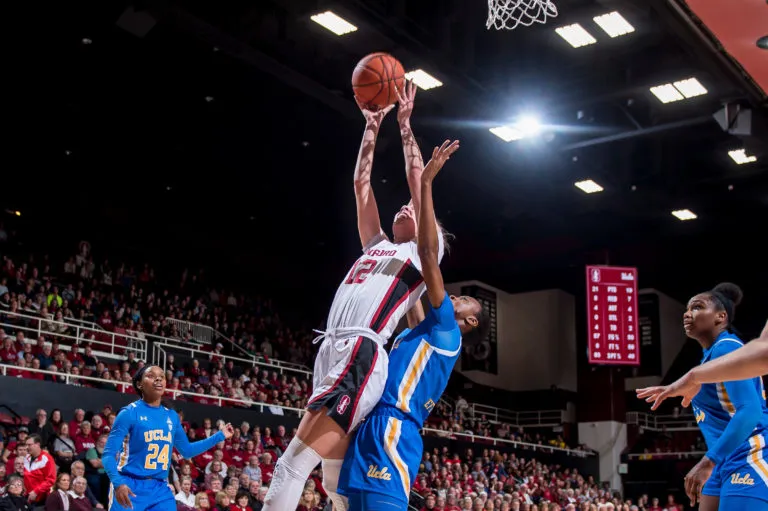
point(375, 78)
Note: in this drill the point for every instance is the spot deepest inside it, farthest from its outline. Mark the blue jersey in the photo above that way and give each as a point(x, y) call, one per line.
point(142, 440)
point(733, 418)
point(432, 349)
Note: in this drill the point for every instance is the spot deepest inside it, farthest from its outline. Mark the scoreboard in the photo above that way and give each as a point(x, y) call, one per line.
point(612, 319)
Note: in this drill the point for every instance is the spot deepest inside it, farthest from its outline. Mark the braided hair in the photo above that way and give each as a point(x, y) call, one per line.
point(726, 296)
point(136, 380)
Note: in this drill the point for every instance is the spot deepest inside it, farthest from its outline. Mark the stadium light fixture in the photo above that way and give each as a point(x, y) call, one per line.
point(740, 156)
point(684, 214)
point(682, 89)
point(423, 80)
point(507, 133)
point(614, 24)
point(576, 35)
point(334, 23)
point(588, 186)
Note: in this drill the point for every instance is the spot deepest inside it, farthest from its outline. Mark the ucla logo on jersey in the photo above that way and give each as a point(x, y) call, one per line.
point(170, 423)
point(157, 435)
point(375, 473)
point(745, 480)
point(700, 416)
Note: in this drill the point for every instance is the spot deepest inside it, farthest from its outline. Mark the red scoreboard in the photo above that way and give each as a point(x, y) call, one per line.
point(613, 328)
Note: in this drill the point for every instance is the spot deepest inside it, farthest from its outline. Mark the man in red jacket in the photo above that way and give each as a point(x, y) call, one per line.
point(39, 471)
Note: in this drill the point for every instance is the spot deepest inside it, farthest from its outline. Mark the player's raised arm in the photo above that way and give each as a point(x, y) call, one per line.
point(427, 241)
point(368, 221)
point(414, 163)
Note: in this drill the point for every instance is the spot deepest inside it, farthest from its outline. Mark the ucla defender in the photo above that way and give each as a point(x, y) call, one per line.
point(351, 366)
point(732, 416)
point(384, 456)
point(137, 456)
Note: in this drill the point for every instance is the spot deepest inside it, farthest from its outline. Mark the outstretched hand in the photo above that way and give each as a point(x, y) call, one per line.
point(228, 430)
point(373, 114)
point(405, 99)
point(439, 156)
point(685, 387)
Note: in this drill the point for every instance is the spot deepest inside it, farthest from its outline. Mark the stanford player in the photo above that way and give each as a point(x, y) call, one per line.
point(351, 366)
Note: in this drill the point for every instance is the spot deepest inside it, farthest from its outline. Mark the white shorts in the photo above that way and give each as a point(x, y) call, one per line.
point(349, 379)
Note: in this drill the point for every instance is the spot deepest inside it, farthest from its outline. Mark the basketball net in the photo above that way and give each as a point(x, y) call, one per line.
point(508, 14)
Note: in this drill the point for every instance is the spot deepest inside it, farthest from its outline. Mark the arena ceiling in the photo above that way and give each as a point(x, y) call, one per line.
point(226, 131)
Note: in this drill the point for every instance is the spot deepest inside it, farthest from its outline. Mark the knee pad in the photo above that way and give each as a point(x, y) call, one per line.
point(290, 475)
point(331, 472)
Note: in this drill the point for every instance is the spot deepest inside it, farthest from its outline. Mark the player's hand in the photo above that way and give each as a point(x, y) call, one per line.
point(405, 99)
point(373, 114)
point(439, 156)
point(123, 496)
point(686, 387)
point(228, 430)
point(32, 496)
point(696, 478)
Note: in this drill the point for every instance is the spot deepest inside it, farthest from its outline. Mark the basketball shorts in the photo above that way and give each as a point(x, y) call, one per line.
point(745, 474)
point(384, 456)
point(151, 495)
point(349, 378)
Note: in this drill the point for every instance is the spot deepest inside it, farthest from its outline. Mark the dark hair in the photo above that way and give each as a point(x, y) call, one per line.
point(240, 495)
point(137, 379)
point(726, 296)
point(35, 438)
point(480, 332)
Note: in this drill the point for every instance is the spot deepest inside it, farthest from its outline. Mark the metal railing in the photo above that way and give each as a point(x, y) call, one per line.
point(72, 379)
point(201, 333)
point(160, 354)
point(107, 343)
point(527, 418)
point(85, 324)
point(648, 456)
point(503, 441)
point(655, 422)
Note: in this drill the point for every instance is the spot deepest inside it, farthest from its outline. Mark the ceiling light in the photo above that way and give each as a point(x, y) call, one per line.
point(614, 24)
point(507, 133)
point(423, 79)
point(588, 186)
point(528, 125)
point(576, 35)
point(740, 156)
point(690, 88)
point(684, 214)
point(667, 93)
point(334, 23)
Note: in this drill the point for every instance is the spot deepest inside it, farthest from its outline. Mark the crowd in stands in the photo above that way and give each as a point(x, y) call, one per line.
point(235, 475)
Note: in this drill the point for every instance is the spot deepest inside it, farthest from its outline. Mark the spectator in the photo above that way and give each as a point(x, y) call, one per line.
point(78, 470)
point(185, 496)
point(202, 503)
point(59, 499)
point(42, 427)
point(39, 471)
point(94, 469)
point(14, 499)
point(78, 498)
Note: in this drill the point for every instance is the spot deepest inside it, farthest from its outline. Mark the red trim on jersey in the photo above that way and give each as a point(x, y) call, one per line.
point(362, 387)
point(386, 309)
point(350, 362)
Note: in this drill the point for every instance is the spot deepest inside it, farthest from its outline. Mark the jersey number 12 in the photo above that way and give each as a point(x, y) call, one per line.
point(360, 271)
point(156, 455)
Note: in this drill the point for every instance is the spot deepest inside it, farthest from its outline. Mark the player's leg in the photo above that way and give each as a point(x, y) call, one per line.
point(341, 376)
point(709, 500)
point(162, 497)
point(709, 503)
point(141, 500)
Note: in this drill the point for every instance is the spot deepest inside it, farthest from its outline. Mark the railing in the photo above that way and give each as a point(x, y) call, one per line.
point(85, 324)
point(655, 422)
point(530, 418)
point(202, 333)
point(159, 357)
point(104, 341)
point(72, 379)
point(503, 441)
point(648, 456)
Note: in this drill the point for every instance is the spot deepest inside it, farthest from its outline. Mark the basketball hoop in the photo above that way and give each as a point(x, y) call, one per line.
point(508, 14)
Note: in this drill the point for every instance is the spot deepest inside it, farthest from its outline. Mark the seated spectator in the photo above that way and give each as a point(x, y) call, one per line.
point(59, 499)
point(14, 499)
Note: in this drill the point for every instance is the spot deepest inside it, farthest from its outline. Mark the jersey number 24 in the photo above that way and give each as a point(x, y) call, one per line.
point(156, 455)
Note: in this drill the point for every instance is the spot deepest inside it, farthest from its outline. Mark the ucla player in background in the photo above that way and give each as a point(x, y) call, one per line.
point(732, 416)
point(382, 460)
point(137, 456)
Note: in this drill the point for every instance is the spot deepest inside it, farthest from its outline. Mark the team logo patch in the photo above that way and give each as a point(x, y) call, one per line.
point(343, 405)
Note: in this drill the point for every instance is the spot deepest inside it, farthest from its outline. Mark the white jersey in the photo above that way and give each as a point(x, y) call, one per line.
point(380, 288)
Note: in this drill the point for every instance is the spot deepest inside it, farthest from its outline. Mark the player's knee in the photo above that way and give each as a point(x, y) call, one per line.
point(298, 460)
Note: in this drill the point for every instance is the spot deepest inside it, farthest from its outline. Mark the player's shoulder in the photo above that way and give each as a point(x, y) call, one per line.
point(725, 345)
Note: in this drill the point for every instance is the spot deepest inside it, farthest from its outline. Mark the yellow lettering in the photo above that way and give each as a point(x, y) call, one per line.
point(157, 435)
point(375, 473)
point(700, 416)
point(738, 479)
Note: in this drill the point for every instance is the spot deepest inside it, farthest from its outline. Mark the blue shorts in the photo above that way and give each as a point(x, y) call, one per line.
point(744, 474)
point(383, 457)
point(151, 495)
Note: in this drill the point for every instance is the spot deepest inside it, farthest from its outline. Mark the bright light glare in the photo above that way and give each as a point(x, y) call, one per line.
point(690, 88)
point(507, 133)
point(334, 23)
point(614, 24)
point(576, 35)
point(684, 214)
point(588, 186)
point(423, 80)
point(528, 125)
point(740, 156)
point(666, 93)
